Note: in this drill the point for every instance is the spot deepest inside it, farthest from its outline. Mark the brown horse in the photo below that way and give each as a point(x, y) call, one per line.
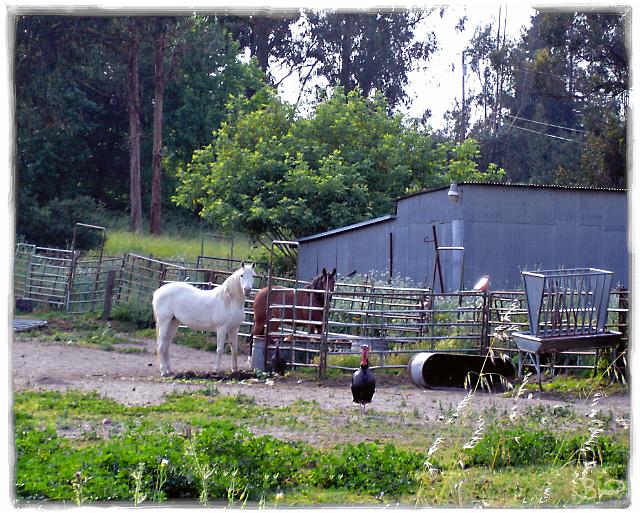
point(324, 281)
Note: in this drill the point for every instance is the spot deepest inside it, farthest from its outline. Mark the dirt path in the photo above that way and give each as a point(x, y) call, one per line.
point(133, 379)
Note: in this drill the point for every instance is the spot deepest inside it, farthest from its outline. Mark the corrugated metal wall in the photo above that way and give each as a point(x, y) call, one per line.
point(504, 230)
point(511, 229)
point(363, 250)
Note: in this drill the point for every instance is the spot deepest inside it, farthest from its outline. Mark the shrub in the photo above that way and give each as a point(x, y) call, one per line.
point(245, 462)
point(52, 224)
point(48, 464)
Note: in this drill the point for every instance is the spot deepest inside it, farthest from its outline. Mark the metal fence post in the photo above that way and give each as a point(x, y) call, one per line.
point(123, 269)
point(484, 337)
point(623, 305)
point(69, 287)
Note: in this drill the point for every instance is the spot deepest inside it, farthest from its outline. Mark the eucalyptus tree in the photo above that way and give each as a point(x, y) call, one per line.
point(270, 38)
point(103, 104)
point(553, 103)
point(570, 95)
point(70, 115)
point(371, 51)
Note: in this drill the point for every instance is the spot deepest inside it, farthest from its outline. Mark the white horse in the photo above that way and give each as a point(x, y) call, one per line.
point(220, 309)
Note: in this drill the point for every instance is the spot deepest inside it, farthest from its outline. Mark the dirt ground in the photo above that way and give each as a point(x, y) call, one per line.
point(134, 379)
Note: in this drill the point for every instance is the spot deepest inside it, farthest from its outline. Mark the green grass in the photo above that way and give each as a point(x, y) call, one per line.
point(185, 247)
point(78, 446)
point(181, 239)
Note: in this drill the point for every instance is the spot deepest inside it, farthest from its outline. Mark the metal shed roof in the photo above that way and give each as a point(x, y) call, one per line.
point(528, 185)
point(335, 231)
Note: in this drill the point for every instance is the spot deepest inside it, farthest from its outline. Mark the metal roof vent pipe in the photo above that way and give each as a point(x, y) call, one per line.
point(453, 194)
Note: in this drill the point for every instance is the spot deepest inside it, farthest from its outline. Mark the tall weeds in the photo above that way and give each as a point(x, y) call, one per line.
point(203, 471)
point(443, 483)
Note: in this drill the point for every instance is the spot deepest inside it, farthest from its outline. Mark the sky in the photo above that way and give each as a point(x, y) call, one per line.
point(439, 87)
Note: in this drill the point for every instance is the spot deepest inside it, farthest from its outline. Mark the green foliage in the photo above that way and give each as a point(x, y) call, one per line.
point(51, 224)
point(71, 128)
point(272, 175)
point(47, 464)
point(137, 313)
point(463, 164)
point(519, 447)
point(196, 339)
point(71, 107)
point(197, 93)
point(164, 452)
point(369, 468)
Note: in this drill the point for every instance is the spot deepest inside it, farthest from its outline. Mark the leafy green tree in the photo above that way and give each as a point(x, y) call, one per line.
point(203, 73)
point(274, 176)
point(69, 117)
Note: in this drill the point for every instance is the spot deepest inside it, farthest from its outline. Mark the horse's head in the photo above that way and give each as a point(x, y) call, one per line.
point(247, 274)
point(325, 280)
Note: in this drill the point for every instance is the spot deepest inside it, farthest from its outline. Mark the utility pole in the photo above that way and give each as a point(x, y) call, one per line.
point(463, 120)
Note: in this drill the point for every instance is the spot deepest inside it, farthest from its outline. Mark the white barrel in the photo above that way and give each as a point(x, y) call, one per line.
point(416, 364)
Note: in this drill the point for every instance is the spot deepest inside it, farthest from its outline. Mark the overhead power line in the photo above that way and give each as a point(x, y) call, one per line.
point(547, 124)
point(547, 135)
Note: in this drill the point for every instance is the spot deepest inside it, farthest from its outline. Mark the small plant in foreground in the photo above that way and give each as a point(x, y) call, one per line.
point(158, 493)
point(203, 471)
point(138, 495)
point(77, 484)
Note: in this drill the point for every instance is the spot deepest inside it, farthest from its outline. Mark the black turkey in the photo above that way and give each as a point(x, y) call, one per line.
point(278, 362)
point(363, 382)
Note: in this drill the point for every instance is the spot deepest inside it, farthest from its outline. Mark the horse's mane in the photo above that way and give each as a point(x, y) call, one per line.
point(232, 288)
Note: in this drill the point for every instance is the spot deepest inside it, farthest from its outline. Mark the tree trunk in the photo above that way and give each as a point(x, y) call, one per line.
point(260, 41)
point(345, 53)
point(134, 137)
point(156, 170)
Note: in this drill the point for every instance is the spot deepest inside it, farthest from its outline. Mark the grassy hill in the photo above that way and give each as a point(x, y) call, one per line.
point(181, 239)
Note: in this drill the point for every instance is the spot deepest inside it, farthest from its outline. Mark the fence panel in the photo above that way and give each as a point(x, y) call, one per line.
point(397, 323)
point(227, 264)
point(89, 286)
point(140, 277)
point(394, 322)
point(22, 269)
point(45, 275)
point(508, 312)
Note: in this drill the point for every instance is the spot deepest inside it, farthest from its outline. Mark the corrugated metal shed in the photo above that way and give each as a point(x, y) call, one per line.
point(504, 228)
